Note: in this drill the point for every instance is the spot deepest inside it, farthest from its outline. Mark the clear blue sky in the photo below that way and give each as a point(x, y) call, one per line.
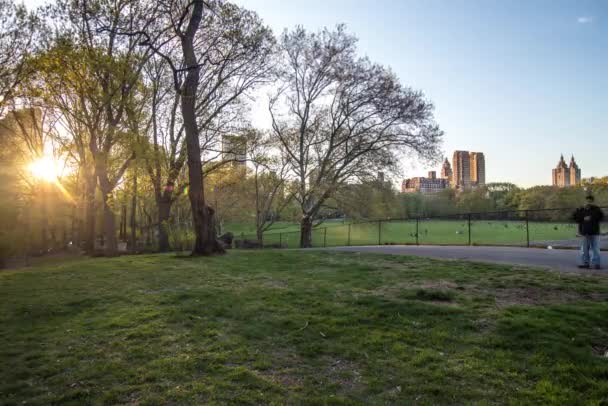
point(520, 80)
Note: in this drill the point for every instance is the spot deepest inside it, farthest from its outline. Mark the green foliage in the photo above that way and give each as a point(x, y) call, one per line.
point(366, 200)
point(287, 327)
point(500, 197)
point(181, 239)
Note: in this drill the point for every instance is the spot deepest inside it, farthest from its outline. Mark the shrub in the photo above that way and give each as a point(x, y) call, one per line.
point(181, 239)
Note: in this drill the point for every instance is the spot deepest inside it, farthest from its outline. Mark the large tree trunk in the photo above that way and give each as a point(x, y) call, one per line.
point(89, 216)
point(133, 237)
point(202, 215)
point(122, 234)
point(109, 220)
point(164, 211)
point(109, 228)
point(306, 232)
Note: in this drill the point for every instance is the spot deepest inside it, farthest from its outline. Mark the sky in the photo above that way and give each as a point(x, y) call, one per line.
point(521, 80)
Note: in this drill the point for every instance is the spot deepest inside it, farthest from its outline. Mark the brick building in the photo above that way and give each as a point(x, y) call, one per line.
point(430, 184)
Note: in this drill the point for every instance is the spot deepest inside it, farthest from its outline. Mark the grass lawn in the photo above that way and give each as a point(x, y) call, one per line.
point(277, 327)
point(429, 232)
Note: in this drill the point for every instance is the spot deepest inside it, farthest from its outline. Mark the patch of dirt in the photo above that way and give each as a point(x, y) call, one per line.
point(344, 373)
point(536, 296)
point(503, 296)
point(395, 290)
point(285, 377)
point(284, 371)
point(440, 285)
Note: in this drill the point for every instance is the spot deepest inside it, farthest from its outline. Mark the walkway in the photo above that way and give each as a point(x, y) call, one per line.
point(561, 260)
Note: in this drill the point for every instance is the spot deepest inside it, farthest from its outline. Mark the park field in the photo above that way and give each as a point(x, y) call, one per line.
point(293, 327)
point(433, 232)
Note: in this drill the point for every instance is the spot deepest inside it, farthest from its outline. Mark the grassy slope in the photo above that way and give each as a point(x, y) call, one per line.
point(300, 327)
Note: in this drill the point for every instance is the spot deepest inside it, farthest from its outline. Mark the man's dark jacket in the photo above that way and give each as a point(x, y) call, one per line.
point(588, 219)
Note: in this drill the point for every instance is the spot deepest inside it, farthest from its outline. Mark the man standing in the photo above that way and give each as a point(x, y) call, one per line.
point(588, 219)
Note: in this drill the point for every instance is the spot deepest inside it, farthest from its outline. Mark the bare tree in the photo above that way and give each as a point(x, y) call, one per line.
point(272, 192)
point(167, 156)
point(339, 117)
point(216, 52)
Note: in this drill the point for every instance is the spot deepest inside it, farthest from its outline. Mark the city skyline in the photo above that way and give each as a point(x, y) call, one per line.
point(467, 171)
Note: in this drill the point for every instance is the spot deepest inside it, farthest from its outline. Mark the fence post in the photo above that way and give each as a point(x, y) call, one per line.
point(325, 237)
point(379, 232)
point(348, 243)
point(469, 228)
point(280, 240)
point(527, 231)
point(417, 240)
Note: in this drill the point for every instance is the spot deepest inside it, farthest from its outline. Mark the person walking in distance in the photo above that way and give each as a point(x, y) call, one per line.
point(588, 219)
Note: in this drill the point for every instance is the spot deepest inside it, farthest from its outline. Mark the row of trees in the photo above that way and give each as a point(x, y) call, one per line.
point(133, 98)
point(376, 200)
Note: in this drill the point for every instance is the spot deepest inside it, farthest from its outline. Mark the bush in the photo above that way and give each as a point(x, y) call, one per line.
point(181, 239)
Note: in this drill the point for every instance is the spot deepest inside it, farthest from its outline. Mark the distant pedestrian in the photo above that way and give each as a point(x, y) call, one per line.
point(588, 219)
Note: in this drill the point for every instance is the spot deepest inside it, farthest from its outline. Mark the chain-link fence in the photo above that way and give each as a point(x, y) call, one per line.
point(526, 228)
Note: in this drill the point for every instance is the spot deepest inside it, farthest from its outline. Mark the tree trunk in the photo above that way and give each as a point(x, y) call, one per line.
point(164, 211)
point(44, 220)
point(306, 232)
point(109, 228)
point(89, 217)
point(202, 215)
point(133, 238)
point(122, 234)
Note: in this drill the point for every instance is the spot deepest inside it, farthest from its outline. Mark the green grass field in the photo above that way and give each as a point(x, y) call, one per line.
point(289, 327)
point(429, 232)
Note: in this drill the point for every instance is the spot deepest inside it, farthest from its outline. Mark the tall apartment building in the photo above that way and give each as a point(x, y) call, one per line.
point(478, 168)
point(564, 175)
point(469, 170)
point(234, 149)
point(461, 166)
point(446, 170)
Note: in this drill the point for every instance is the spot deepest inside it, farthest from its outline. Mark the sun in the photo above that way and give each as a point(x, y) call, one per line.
point(45, 168)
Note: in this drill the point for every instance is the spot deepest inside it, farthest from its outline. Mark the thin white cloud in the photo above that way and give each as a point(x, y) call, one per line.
point(584, 20)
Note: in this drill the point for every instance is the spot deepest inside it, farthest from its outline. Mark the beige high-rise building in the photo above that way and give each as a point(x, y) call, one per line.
point(446, 170)
point(575, 173)
point(461, 166)
point(564, 175)
point(234, 149)
point(478, 168)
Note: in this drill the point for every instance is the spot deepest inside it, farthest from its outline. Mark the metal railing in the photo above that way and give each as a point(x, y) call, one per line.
point(524, 228)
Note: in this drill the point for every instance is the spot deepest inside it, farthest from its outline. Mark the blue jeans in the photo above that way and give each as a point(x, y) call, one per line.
point(590, 244)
